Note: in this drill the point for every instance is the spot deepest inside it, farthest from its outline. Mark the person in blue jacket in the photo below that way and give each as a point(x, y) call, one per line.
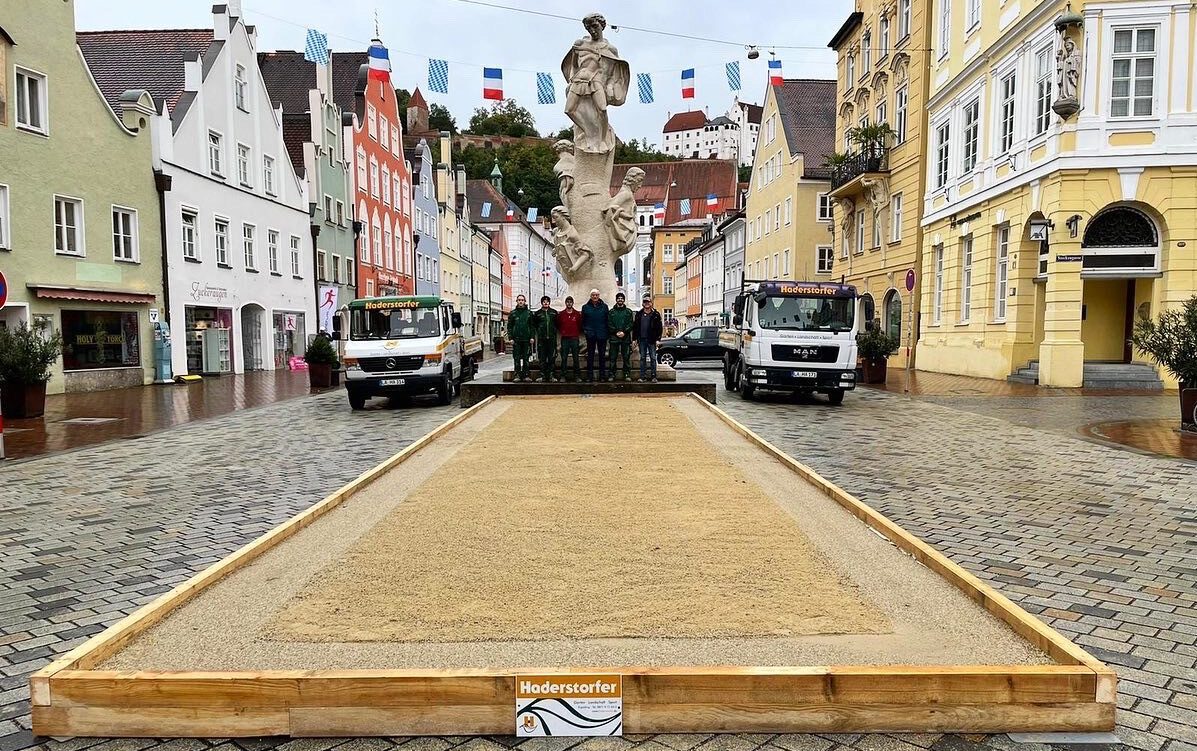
point(594, 326)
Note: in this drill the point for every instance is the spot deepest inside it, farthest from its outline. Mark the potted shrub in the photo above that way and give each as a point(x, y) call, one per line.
point(321, 359)
point(1171, 340)
point(26, 355)
point(874, 347)
point(874, 140)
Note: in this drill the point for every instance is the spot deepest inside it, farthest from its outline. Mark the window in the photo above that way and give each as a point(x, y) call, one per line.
point(340, 212)
point(374, 187)
point(386, 185)
point(945, 28)
point(5, 240)
point(268, 174)
point(966, 278)
point(768, 221)
point(789, 210)
point(243, 164)
point(124, 234)
point(370, 288)
point(222, 242)
point(826, 257)
point(972, 128)
point(215, 153)
point(349, 270)
point(901, 96)
point(777, 218)
point(866, 50)
point(1006, 113)
point(1003, 273)
point(295, 257)
point(667, 281)
point(845, 242)
point(372, 121)
point(68, 226)
point(31, 100)
point(883, 37)
point(876, 229)
point(895, 217)
point(239, 87)
point(361, 169)
point(93, 339)
point(377, 238)
point(881, 113)
point(785, 262)
point(776, 268)
point(1043, 90)
point(937, 306)
point(668, 252)
point(272, 250)
point(973, 18)
point(247, 237)
point(321, 265)
point(1133, 89)
point(396, 144)
point(328, 208)
point(336, 260)
point(824, 213)
point(903, 19)
point(942, 135)
point(384, 132)
point(860, 231)
point(398, 190)
point(851, 70)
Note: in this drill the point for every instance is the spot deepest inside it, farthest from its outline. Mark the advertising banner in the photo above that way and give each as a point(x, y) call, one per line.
point(328, 307)
point(568, 705)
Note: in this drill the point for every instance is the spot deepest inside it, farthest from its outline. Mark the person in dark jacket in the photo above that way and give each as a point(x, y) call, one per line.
point(646, 329)
point(519, 331)
point(619, 324)
point(569, 326)
point(594, 326)
point(544, 327)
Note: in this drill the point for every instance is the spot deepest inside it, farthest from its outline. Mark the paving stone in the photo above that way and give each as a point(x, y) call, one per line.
point(801, 742)
point(604, 743)
point(682, 741)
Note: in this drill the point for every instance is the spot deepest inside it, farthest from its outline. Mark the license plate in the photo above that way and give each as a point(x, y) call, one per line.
point(391, 382)
point(805, 374)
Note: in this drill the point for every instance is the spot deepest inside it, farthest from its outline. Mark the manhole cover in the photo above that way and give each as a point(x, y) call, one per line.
point(89, 420)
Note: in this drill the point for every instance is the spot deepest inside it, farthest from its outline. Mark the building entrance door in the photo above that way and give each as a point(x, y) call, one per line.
point(251, 337)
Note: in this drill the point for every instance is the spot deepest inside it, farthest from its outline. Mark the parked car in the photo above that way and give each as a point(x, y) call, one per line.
point(698, 343)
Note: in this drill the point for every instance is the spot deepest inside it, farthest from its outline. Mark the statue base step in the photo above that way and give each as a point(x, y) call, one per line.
point(664, 372)
point(473, 392)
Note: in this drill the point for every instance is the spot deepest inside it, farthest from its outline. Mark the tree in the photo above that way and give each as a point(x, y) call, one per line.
point(745, 173)
point(402, 97)
point(504, 118)
point(439, 119)
point(635, 151)
point(526, 165)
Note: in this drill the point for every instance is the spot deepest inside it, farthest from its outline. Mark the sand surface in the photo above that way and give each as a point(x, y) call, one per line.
point(593, 549)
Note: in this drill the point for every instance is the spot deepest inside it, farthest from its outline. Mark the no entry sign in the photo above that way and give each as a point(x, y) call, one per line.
point(3, 290)
point(910, 280)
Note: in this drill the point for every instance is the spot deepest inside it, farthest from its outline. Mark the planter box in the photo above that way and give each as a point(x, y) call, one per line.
point(873, 371)
point(1188, 407)
point(19, 400)
point(320, 375)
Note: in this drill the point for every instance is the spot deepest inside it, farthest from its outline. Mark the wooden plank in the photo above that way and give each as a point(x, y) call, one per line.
point(159, 722)
point(317, 722)
point(102, 645)
point(1023, 623)
point(871, 718)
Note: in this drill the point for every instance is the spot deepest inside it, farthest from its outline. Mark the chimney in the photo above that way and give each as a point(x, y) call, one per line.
point(443, 178)
point(222, 16)
point(461, 179)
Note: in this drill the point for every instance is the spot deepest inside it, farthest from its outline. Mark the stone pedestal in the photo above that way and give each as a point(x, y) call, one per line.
point(591, 194)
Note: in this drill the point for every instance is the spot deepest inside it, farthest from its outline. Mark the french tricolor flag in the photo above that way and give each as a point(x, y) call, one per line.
point(712, 201)
point(775, 77)
point(510, 211)
point(492, 83)
point(380, 62)
point(688, 83)
point(659, 212)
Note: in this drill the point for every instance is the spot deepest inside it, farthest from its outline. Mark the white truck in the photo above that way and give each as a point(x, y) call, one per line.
point(792, 336)
point(405, 346)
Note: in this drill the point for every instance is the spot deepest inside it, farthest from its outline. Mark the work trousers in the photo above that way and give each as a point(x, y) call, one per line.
point(599, 346)
point(521, 351)
point(546, 354)
point(621, 347)
point(648, 359)
point(569, 345)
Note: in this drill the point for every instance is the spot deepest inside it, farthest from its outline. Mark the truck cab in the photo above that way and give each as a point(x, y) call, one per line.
point(406, 346)
point(792, 336)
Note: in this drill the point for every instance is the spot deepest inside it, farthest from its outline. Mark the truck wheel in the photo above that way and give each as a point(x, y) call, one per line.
point(729, 382)
point(444, 392)
point(835, 397)
point(747, 390)
point(357, 400)
point(668, 359)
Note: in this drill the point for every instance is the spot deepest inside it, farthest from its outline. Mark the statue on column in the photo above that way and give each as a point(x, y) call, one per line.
point(598, 78)
point(1068, 77)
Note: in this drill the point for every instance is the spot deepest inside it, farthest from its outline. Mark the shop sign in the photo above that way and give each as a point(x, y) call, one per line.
point(568, 705)
point(290, 321)
point(208, 292)
point(328, 306)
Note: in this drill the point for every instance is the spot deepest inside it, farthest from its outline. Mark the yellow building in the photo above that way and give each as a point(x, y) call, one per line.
point(1061, 199)
point(788, 214)
point(448, 192)
point(668, 241)
point(877, 186)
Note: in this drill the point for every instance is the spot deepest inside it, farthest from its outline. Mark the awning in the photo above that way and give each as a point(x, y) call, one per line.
point(84, 294)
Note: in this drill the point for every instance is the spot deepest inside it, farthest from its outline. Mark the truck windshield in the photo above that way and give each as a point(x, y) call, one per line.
point(807, 313)
point(402, 323)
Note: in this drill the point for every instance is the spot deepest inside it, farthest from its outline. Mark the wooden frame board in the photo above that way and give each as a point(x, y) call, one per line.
point(70, 697)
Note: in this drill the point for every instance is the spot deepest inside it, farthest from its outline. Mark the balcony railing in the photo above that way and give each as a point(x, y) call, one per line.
point(875, 159)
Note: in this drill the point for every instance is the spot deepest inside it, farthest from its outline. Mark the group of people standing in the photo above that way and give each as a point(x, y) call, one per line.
point(609, 333)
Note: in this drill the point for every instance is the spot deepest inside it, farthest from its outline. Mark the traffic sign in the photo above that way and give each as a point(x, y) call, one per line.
point(3, 289)
point(910, 280)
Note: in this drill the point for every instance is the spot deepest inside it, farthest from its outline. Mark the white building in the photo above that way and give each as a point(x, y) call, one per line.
point(238, 247)
point(747, 118)
point(712, 279)
point(691, 135)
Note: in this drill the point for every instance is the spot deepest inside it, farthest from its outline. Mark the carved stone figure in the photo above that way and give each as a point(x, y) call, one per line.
point(597, 78)
point(877, 190)
point(564, 168)
point(620, 214)
point(569, 250)
point(1068, 69)
point(848, 219)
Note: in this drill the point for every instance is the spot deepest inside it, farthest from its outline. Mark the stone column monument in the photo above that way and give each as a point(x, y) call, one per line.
point(592, 229)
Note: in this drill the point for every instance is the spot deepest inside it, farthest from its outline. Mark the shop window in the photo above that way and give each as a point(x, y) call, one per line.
point(93, 339)
point(893, 315)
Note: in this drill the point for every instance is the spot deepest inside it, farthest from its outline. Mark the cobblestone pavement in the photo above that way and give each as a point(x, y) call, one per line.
point(1099, 541)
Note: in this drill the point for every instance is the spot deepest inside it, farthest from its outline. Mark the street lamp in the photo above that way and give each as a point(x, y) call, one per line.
point(1039, 229)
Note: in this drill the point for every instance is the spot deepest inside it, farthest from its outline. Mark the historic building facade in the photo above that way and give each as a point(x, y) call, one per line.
point(669, 243)
point(877, 187)
point(238, 251)
point(788, 213)
point(80, 224)
point(425, 219)
point(1061, 185)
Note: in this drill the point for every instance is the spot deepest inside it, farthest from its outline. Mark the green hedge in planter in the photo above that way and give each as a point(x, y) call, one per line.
point(320, 352)
point(875, 344)
point(27, 354)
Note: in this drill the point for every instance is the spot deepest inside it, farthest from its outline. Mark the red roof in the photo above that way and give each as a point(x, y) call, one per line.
point(417, 100)
point(685, 121)
point(695, 179)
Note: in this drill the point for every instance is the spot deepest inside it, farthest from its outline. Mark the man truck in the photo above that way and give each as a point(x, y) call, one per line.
point(798, 337)
point(406, 346)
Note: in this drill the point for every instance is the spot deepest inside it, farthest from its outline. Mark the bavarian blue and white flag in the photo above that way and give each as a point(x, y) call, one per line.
point(533, 212)
point(733, 75)
point(544, 89)
point(316, 49)
point(684, 207)
point(644, 82)
point(438, 76)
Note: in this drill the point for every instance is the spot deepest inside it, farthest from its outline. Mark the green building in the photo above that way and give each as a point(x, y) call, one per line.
point(80, 224)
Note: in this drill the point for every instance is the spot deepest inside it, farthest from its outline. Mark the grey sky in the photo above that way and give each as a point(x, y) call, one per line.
point(519, 42)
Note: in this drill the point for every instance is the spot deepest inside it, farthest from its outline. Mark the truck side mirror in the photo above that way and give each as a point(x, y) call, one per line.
point(737, 320)
point(456, 318)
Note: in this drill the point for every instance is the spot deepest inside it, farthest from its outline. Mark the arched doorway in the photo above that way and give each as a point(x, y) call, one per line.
point(253, 317)
point(1120, 255)
point(892, 318)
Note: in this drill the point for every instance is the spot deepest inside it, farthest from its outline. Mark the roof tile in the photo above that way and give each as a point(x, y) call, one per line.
point(807, 110)
point(142, 59)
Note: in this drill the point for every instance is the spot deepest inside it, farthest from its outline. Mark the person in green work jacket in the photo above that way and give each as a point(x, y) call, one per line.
point(544, 327)
point(619, 325)
point(519, 331)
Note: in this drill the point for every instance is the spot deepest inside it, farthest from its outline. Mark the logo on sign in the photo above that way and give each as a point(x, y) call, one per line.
point(568, 705)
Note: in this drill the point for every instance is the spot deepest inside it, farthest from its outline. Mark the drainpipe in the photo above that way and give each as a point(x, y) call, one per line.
point(162, 182)
point(315, 230)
